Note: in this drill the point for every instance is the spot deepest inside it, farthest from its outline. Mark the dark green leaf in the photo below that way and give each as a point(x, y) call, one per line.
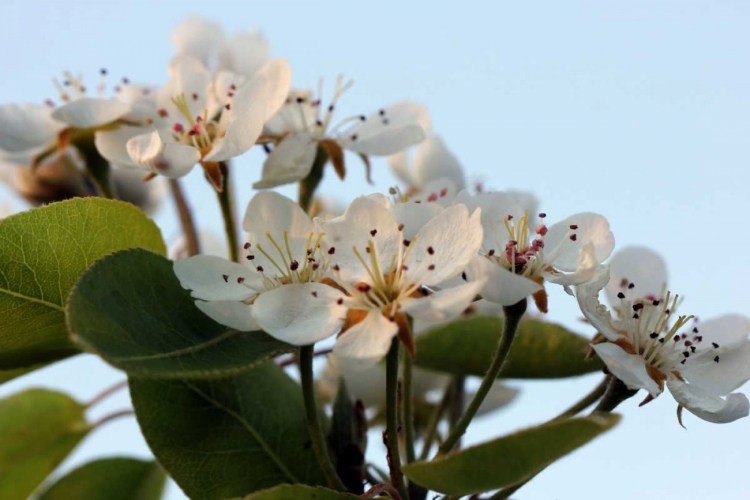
point(228, 437)
point(131, 310)
point(348, 439)
point(507, 460)
point(110, 479)
point(7, 375)
point(39, 428)
point(42, 253)
point(289, 492)
point(540, 350)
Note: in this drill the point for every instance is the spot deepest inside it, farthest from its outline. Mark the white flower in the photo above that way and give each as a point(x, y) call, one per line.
point(283, 267)
point(199, 120)
point(647, 346)
point(518, 255)
point(386, 276)
point(243, 53)
point(434, 174)
point(304, 123)
point(31, 128)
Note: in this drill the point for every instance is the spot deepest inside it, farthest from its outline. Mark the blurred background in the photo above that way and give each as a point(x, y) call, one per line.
point(638, 110)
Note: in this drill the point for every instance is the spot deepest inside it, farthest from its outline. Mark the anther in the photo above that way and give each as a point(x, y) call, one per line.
point(716, 346)
point(340, 301)
point(631, 286)
point(574, 226)
point(638, 306)
point(431, 267)
point(430, 250)
point(620, 295)
point(331, 250)
point(573, 237)
point(373, 232)
point(314, 294)
point(250, 257)
point(226, 278)
point(259, 269)
point(354, 137)
point(246, 245)
point(294, 265)
point(653, 335)
point(542, 215)
point(491, 252)
point(716, 359)
point(240, 280)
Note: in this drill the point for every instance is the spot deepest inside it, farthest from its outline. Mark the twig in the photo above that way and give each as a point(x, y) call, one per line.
point(192, 245)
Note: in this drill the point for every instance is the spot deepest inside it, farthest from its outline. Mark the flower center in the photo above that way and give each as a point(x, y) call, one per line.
point(286, 266)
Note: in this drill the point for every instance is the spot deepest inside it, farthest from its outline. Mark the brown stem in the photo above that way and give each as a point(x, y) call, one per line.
point(185, 214)
point(106, 393)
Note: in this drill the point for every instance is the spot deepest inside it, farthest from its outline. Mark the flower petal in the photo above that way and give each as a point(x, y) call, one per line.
point(301, 314)
point(501, 286)
point(198, 38)
point(158, 153)
point(368, 341)
point(727, 330)
point(266, 91)
point(112, 144)
point(593, 310)
point(443, 305)
point(629, 368)
point(414, 216)
point(591, 228)
point(707, 407)
point(640, 266)
point(388, 130)
point(497, 205)
point(214, 278)
point(240, 136)
point(434, 160)
point(89, 112)
point(290, 161)
point(231, 313)
point(27, 127)
point(244, 52)
point(445, 245)
point(720, 377)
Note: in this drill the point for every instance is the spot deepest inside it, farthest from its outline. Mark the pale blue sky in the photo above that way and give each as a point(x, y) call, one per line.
point(639, 110)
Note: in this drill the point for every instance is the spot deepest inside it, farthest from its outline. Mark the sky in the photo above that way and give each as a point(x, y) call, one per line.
point(637, 110)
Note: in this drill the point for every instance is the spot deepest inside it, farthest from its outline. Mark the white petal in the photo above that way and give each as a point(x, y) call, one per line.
point(301, 314)
point(364, 384)
point(629, 368)
point(242, 132)
point(441, 191)
point(368, 341)
point(197, 37)
point(400, 167)
point(595, 312)
point(722, 377)
point(244, 52)
point(27, 127)
point(585, 270)
point(231, 313)
point(641, 266)
point(414, 216)
point(707, 407)
point(158, 153)
point(448, 242)
point(564, 252)
point(191, 80)
point(367, 219)
point(89, 112)
point(266, 91)
point(727, 330)
point(388, 131)
point(112, 144)
point(501, 286)
point(444, 304)
point(496, 206)
point(290, 161)
point(434, 160)
point(204, 275)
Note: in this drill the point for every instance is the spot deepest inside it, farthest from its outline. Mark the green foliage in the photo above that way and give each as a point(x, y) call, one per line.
point(42, 253)
point(510, 459)
point(348, 439)
point(131, 310)
point(230, 437)
point(110, 479)
point(289, 492)
point(39, 428)
point(540, 349)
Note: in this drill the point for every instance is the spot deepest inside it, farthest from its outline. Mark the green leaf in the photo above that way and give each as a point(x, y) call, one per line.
point(110, 479)
point(540, 350)
point(225, 438)
point(39, 428)
point(507, 460)
point(42, 253)
point(131, 310)
point(8, 375)
point(296, 492)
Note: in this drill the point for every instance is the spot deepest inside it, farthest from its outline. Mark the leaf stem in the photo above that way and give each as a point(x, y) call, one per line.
point(112, 416)
point(391, 410)
point(408, 406)
point(227, 211)
point(616, 393)
point(320, 448)
point(106, 393)
point(192, 246)
point(513, 315)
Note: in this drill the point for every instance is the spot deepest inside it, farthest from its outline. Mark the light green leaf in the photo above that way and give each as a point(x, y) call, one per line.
point(110, 479)
point(540, 349)
point(39, 428)
point(289, 492)
point(42, 253)
point(508, 460)
point(225, 438)
point(131, 310)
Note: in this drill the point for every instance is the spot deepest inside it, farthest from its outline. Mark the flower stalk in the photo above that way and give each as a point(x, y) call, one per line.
point(306, 354)
point(392, 426)
point(513, 315)
point(227, 212)
point(616, 393)
point(185, 215)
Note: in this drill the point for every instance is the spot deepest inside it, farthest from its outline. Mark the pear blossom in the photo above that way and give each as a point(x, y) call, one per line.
point(32, 128)
point(243, 53)
point(304, 123)
point(199, 120)
point(385, 277)
point(283, 265)
point(519, 255)
point(646, 345)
